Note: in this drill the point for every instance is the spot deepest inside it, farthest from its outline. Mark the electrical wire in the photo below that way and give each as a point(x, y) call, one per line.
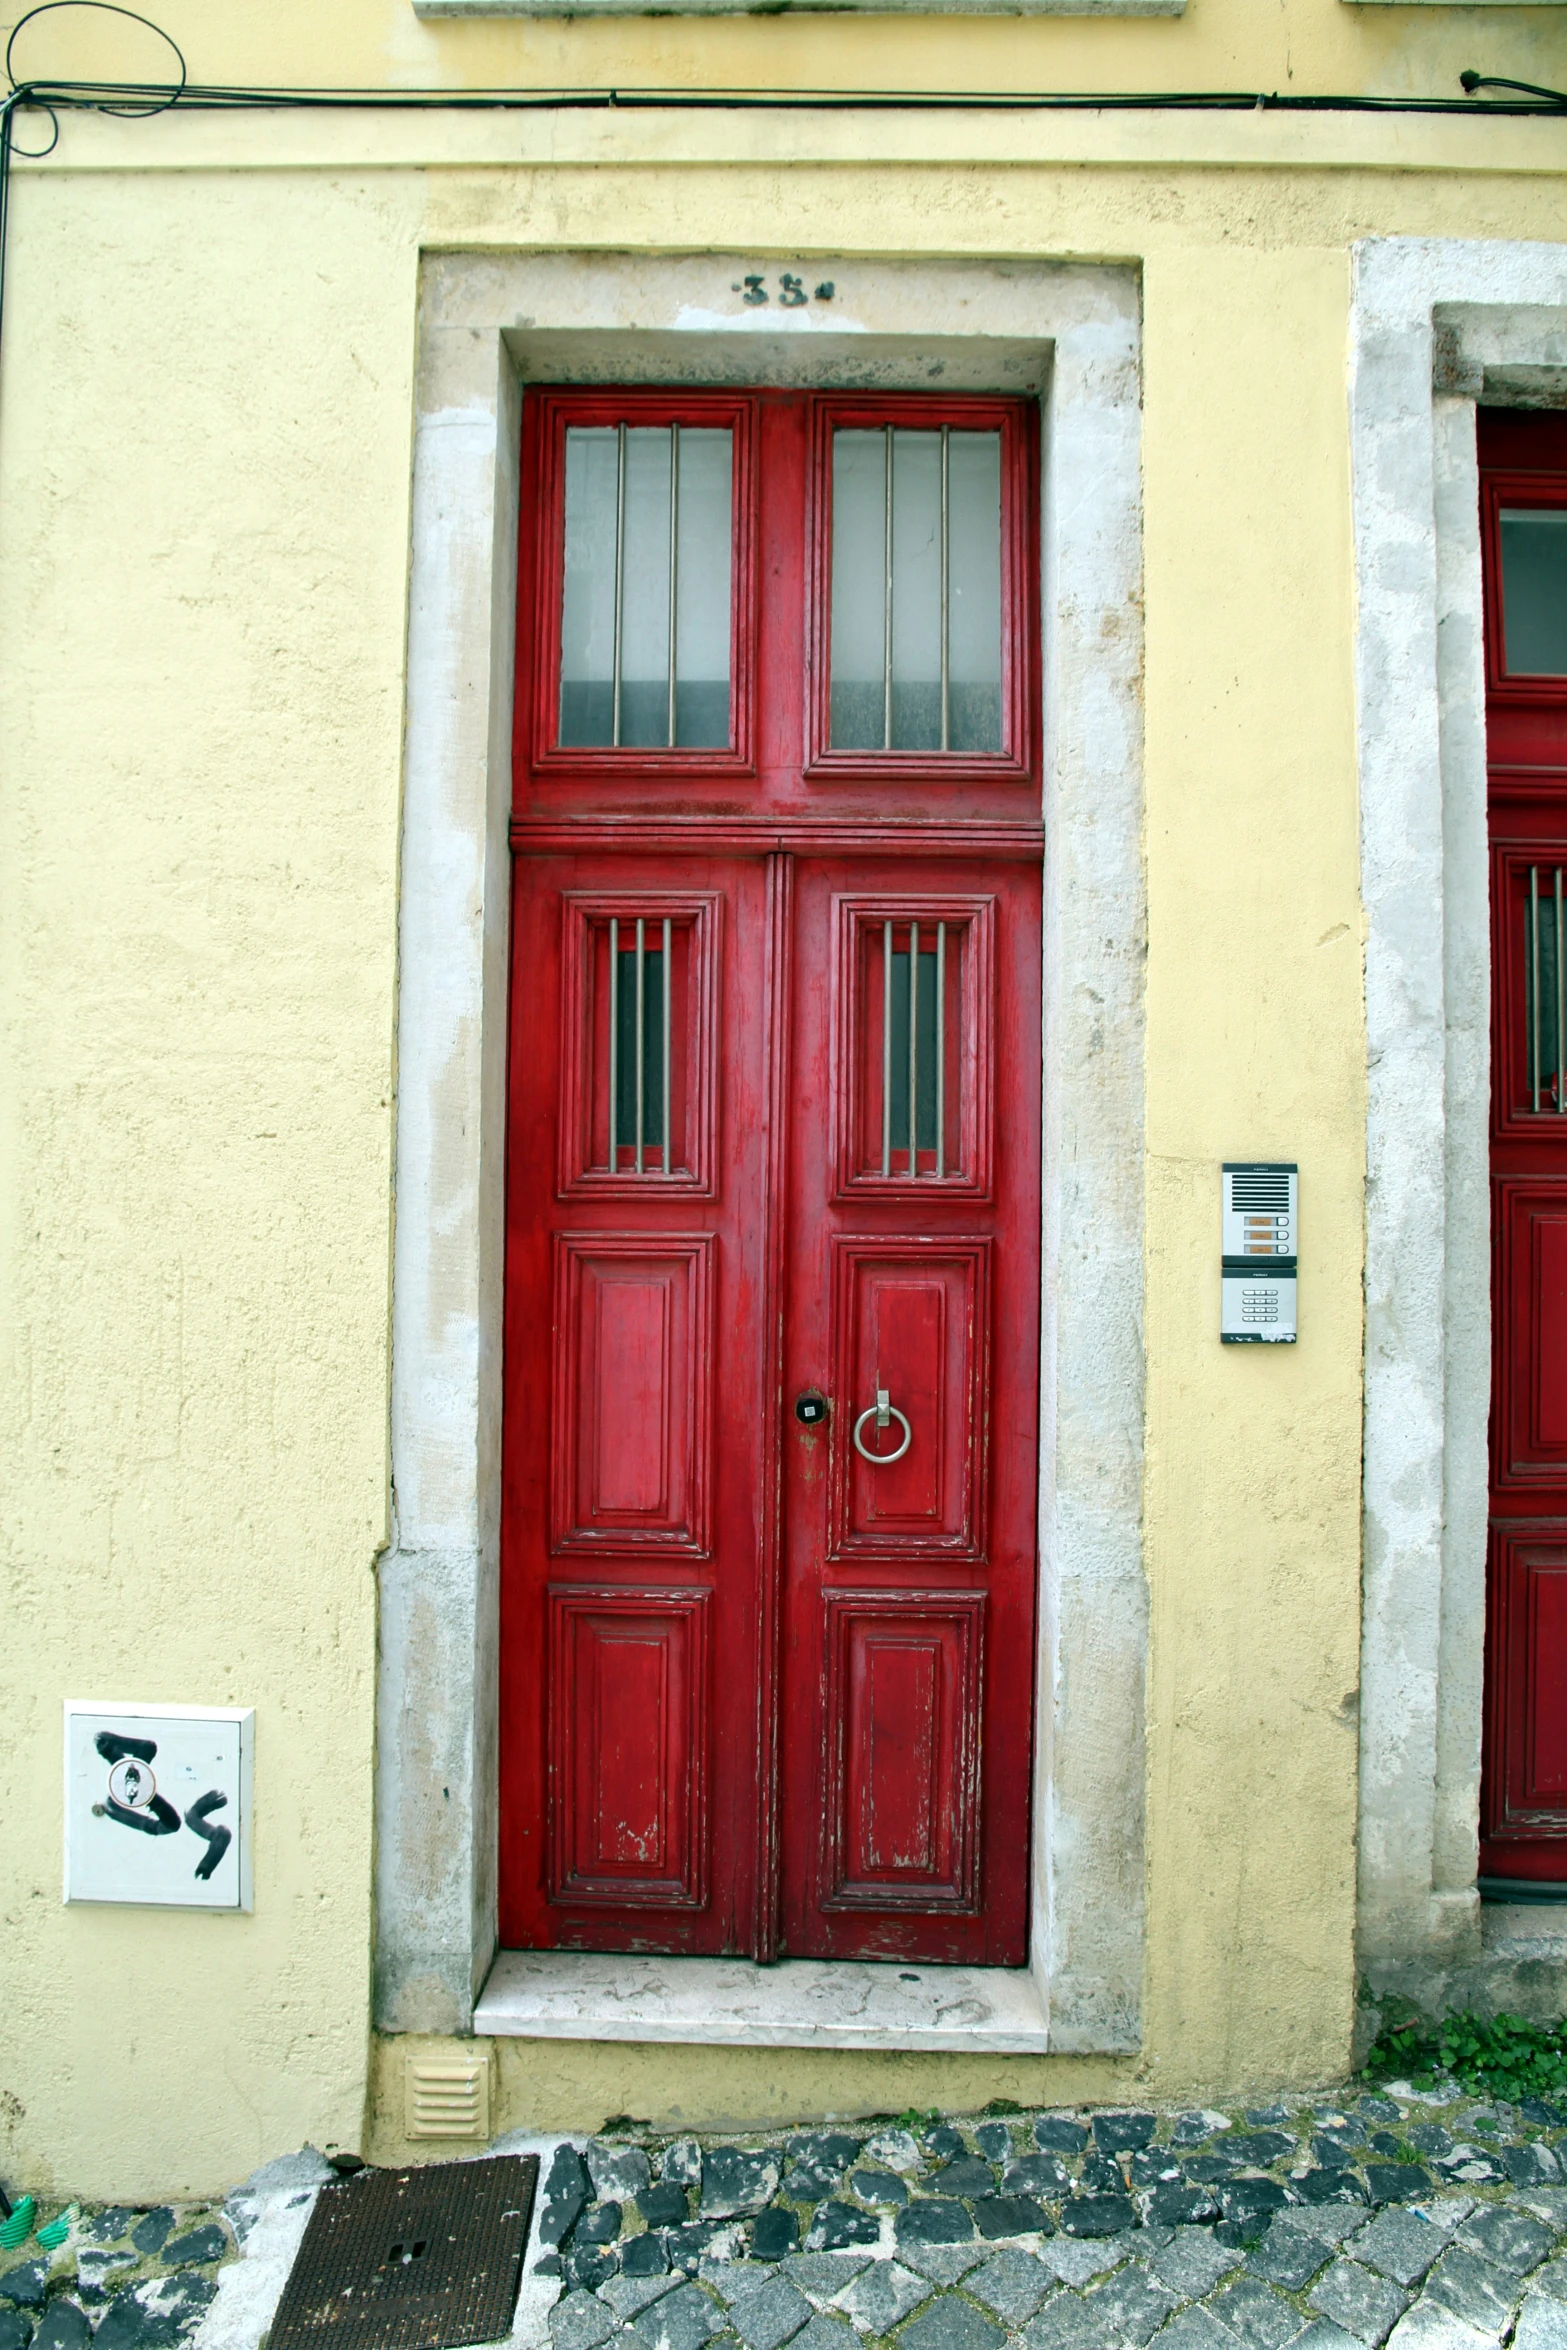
point(1489, 81)
point(140, 100)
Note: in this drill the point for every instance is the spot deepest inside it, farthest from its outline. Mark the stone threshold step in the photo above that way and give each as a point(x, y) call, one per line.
point(732, 2002)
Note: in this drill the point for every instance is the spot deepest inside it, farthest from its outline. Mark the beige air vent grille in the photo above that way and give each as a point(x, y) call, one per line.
point(446, 2097)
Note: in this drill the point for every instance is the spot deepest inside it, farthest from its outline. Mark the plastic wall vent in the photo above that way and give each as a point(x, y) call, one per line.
point(446, 2098)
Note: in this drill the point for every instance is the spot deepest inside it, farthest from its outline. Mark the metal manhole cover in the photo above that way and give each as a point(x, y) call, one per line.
point(410, 2259)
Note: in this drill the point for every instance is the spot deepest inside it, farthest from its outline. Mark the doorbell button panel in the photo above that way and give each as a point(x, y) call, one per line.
point(1258, 1283)
point(810, 1407)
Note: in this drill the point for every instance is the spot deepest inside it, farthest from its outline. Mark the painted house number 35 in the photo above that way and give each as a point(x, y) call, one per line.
point(791, 291)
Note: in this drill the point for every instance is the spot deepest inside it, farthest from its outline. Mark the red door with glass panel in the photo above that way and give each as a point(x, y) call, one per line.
point(1523, 460)
point(772, 1337)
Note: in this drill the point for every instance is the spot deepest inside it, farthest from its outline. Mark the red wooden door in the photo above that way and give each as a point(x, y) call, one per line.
point(1523, 460)
point(774, 1138)
point(909, 1592)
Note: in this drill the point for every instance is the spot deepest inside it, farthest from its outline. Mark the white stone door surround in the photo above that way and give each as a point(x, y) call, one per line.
point(1437, 326)
point(1071, 336)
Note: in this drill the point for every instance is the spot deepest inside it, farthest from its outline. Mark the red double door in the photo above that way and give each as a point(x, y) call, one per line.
point(1523, 473)
point(772, 1341)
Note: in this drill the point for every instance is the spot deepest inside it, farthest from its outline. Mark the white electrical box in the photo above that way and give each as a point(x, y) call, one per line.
point(157, 1804)
point(1258, 1278)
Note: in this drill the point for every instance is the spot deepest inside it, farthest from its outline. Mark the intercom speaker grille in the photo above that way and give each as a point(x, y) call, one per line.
point(1264, 1193)
point(412, 2259)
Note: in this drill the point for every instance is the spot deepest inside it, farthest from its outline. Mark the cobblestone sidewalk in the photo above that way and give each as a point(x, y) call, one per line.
point(1425, 2223)
point(125, 2279)
point(1421, 2222)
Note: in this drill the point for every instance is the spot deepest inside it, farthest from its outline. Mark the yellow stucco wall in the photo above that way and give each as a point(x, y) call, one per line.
point(205, 414)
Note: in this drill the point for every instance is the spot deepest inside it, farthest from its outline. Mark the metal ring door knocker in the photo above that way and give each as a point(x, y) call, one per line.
point(883, 1413)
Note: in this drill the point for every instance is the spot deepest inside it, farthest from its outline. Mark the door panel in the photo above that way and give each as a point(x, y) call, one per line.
point(905, 1693)
point(1531, 1420)
point(629, 1750)
point(633, 1352)
point(912, 1316)
point(1529, 1636)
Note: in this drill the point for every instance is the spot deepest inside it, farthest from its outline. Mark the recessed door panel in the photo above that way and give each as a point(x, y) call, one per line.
point(1546, 1782)
point(1527, 1728)
point(911, 1320)
point(904, 1704)
point(628, 1748)
point(631, 1407)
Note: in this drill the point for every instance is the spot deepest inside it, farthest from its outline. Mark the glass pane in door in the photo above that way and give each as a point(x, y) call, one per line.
point(916, 590)
point(648, 529)
point(1534, 590)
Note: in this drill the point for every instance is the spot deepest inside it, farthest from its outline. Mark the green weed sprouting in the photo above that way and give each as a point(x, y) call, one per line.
point(1503, 2056)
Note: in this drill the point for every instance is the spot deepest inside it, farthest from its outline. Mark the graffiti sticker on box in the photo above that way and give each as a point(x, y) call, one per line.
point(157, 1804)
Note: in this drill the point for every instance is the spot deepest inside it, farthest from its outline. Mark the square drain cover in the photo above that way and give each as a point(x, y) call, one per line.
point(411, 2259)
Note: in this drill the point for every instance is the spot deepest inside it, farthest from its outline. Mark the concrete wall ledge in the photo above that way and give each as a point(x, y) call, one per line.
point(733, 2003)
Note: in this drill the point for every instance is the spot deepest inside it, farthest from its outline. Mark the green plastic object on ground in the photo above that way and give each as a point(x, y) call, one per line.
point(19, 2226)
point(54, 2235)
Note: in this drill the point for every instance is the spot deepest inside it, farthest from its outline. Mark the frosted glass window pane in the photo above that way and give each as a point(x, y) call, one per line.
point(587, 633)
point(637, 513)
point(897, 704)
point(702, 593)
point(859, 461)
point(974, 591)
point(1534, 590)
point(916, 591)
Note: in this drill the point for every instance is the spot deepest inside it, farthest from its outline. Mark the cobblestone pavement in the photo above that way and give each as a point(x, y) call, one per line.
point(1428, 2223)
point(127, 2279)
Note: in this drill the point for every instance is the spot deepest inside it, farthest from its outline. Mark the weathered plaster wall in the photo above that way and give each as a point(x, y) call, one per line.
point(203, 479)
point(205, 459)
point(1255, 1050)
